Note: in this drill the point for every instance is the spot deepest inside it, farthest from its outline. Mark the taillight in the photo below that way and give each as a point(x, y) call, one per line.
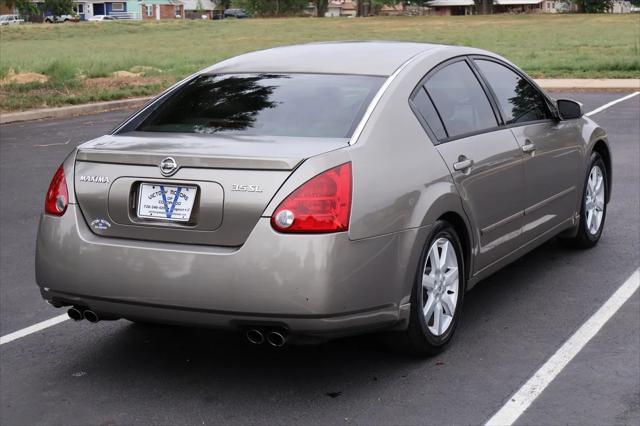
point(320, 205)
point(57, 196)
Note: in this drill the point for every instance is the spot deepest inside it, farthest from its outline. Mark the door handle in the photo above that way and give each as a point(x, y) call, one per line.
point(463, 164)
point(528, 147)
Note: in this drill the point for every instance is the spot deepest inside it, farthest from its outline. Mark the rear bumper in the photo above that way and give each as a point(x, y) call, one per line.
point(311, 285)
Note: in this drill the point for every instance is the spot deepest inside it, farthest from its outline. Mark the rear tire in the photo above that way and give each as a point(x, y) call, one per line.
point(437, 294)
point(593, 210)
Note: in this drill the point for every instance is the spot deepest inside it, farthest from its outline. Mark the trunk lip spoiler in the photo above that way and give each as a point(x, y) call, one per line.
point(188, 161)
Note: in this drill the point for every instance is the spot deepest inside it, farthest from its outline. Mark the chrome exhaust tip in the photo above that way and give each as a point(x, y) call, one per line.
point(255, 336)
point(91, 316)
point(276, 339)
point(75, 314)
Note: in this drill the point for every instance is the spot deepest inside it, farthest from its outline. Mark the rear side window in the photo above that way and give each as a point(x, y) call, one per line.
point(519, 101)
point(304, 105)
point(460, 100)
point(425, 108)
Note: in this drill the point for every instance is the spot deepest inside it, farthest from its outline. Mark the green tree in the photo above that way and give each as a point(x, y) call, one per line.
point(273, 7)
point(484, 7)
point(322, 6)
point(59, 7)
point(223, 5)
point(26, 8)
point(199, 8)
point(594, 6)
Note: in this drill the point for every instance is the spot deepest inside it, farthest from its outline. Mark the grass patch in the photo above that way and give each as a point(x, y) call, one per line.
point(597, 46)
point(61, 74)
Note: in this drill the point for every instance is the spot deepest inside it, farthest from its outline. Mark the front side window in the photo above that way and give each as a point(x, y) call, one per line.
point(149, 10)
point(117, 7)
point(460, 100)
point(304, 105)
point(519, 101)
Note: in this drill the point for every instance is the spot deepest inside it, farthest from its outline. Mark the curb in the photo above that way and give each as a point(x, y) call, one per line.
point(553, 85)
point(72, 111)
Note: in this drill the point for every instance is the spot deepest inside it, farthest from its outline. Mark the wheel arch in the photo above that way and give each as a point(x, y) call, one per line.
point(602, 149)
point(448, 206)
point(462, 230)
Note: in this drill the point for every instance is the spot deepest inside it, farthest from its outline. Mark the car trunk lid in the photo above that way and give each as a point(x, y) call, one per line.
point(233, 179)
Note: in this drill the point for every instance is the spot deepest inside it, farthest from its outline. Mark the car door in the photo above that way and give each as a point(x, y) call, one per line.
point(550, 148)
point(484, 160)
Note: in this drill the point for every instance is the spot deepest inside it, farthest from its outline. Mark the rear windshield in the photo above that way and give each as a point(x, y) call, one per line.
point(304, 105)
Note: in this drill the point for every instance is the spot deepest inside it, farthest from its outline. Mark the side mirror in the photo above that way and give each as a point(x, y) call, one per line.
point(569, 109)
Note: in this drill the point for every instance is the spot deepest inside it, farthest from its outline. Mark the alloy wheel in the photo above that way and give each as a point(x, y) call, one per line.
point(440, 286)
point(594, 200)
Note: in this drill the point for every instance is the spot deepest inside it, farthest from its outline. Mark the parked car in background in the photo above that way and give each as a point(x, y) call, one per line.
point(101, 18)
point(236, 13)
point(308, 192)
point(53, 19)
point(10, 20)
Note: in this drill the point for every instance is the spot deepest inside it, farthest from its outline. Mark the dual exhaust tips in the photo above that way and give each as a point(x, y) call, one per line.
point(275, 338)
point(78, 314)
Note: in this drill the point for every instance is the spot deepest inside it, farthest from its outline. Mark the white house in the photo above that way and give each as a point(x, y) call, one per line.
point(341, 8)
point(452, 7)
point(522, 6)
point(191, 7)
point(620, 6)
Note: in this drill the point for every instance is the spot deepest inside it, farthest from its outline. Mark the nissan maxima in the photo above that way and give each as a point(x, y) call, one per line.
point(308, 192)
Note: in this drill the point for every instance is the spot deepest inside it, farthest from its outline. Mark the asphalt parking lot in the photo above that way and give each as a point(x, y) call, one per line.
point(120, 373)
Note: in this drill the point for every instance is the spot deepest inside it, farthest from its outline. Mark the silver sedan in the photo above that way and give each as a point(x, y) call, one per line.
point(308, 192)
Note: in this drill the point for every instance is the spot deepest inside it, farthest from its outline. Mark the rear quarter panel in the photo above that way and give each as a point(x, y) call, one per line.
point(400, 180)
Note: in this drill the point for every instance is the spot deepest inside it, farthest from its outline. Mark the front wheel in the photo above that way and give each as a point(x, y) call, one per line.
point(436, 299)
point(594, 204)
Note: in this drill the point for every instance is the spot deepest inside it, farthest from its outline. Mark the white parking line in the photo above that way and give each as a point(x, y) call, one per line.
point(612, 103)
point(33, 328)
point(524, 397)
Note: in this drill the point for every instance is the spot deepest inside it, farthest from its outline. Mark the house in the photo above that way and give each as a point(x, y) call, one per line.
point(391, 10)
point(117, 9)
point(162, 9)
point(551, 6)
point(6, 10)
point(452, 7)
point(620, 6)
point(196, 9)
point(126, 9)
point(341, 8)
point(517, 6)
point(88, 8)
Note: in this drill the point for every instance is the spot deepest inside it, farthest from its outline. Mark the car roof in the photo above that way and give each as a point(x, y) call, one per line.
point(379, 58)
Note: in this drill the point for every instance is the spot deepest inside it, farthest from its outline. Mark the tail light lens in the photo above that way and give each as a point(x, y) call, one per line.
point(57, 196)
point(321, 205)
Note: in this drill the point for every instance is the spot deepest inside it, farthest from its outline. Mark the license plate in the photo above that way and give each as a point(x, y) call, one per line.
point(166, 202)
